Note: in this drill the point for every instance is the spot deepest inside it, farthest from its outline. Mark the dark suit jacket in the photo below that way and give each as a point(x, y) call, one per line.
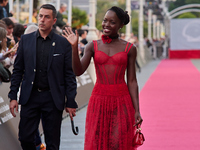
point(61, 78)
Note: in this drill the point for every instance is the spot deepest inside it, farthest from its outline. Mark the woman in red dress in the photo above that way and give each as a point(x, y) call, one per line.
point(113, 109)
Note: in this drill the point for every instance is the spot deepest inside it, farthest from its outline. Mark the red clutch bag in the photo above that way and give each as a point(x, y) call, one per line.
point(138, 139)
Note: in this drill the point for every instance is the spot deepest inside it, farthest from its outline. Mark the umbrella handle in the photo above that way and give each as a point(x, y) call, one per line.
point(75, 130)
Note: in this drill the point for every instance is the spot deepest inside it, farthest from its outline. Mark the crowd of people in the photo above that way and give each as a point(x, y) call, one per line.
point(15, 30)
point(46, 59)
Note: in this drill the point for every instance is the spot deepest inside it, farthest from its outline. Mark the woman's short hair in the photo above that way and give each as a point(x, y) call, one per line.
point(51, 7)
point(121, 14)
point(18, 30)
point(8, 22)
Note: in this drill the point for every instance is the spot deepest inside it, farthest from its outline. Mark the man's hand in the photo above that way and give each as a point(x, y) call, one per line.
point(71, 111)
point(13, 107)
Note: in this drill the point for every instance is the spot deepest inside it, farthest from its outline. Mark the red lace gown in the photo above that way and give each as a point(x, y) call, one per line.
point(110, 112)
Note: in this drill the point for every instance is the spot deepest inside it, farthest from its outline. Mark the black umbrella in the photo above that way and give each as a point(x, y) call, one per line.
point(74, 130)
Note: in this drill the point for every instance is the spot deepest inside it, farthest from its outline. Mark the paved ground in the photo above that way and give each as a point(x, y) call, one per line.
point(71, 142)
point(196, 62)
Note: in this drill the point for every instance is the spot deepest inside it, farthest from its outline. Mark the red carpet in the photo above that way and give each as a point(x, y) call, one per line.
point(170, 107)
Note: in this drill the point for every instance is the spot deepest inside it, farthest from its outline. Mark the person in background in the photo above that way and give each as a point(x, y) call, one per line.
point(43, 71)
point(18, 31)
point(133, 39)
point(9, 60)
point(10, 13)
point(113, 111)
point(4, 55)
point(3, 73)
point(3, 11)
point(11, 40)
point(31, 28)
point(60, 23)
point(82, 40)
point(99, 33)
point(83, 36)
point(2, 24)
point(34, 17)
point(3, 41)
point(122, 36)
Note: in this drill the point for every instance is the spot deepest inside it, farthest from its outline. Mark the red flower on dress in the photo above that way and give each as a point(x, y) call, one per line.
point(106, 39)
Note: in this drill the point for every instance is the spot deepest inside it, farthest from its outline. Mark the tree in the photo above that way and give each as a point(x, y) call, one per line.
point(79, 18)
point(187, 15)
point(192, 2)
point(179, 3)
point(176, 4)
point(135, 26)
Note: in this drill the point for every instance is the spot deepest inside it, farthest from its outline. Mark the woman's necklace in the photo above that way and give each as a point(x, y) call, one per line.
point(108, 39)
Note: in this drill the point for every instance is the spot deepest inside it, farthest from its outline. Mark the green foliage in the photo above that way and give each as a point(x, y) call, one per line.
point(187, 15)
point(176, 4)
point(179, 3)
point(79, 18)
point(135, 26)
point(192, 2)
point(134, 23)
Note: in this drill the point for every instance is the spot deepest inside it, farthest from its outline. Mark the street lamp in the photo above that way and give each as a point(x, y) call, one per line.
point(92, 27)
point(10, 5)
point(166, 24)
point(141, 36)
point(128, 26)
point(30, 11)
point(17, 10)
point(149, 24)
point(69, 20)
point(158, 30)
point(154, 26)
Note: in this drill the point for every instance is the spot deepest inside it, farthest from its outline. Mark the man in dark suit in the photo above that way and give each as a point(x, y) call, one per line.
point(43, 67)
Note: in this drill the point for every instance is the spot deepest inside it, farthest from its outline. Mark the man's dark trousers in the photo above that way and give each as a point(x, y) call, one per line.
point(40, 105)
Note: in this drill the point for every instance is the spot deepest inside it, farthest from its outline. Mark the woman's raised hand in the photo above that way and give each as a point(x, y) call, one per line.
point(70, 36)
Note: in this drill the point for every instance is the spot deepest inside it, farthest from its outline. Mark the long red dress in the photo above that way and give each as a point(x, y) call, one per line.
point(110, 112)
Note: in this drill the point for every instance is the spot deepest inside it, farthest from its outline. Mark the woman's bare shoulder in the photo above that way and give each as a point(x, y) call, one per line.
point(91, 43)
point(133, 49)
point(90, 46)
